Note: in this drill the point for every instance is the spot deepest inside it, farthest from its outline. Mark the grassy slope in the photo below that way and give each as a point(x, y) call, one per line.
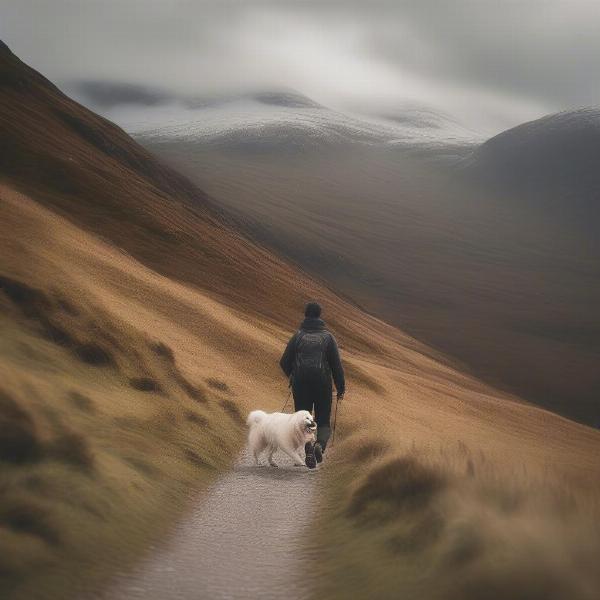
point(96, 457)
point(439, 489)
point(109, 413)
point(121, 392)
point(433, 258)
point(103, 431)
point(139, 265)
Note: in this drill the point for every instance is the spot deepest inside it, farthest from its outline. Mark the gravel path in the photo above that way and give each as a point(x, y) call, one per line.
point(243, 540)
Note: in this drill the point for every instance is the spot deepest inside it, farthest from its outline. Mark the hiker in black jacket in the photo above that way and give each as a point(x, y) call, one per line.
point(310, 360)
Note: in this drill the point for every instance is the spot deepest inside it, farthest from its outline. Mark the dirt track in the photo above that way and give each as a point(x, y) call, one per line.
point(243, 540)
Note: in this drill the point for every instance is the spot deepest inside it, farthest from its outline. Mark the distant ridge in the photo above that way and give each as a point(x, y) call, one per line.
point(108, 94)
point(556, 155)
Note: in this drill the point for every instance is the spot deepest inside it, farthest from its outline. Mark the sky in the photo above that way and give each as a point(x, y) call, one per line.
point(489, 63)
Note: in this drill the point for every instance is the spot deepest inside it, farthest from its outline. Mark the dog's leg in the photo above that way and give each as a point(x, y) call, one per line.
point(270, 457)
point(293, 454)
point(256, 444)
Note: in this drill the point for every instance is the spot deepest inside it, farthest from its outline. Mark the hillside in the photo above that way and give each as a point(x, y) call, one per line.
point(556, 148)
point(89, 170)
point(503, 281)
point(139, 326)
point(133, 317)
point(549, 163)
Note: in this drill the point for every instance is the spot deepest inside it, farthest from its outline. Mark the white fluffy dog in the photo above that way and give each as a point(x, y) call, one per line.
point(289, 432)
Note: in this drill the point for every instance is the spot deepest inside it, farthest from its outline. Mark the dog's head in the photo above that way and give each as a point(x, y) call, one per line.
point(306, 421)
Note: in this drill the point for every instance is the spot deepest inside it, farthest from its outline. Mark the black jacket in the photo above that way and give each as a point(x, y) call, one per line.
point(332, 354)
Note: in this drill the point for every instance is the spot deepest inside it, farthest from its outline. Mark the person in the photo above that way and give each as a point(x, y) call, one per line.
point(310, 361)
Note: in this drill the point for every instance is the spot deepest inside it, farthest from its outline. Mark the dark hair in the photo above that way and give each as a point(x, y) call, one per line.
point(312, 310)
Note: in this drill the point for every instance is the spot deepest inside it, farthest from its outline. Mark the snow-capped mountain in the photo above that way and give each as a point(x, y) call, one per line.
point(267, 121)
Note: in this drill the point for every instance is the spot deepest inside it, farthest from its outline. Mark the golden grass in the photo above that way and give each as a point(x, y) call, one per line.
point(129, 390)
point(450, 522)
point(484, 279)
point(107, 425)
point(93, 464)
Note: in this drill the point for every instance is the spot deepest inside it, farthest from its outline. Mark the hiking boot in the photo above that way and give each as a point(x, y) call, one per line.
point(318, 452)
point(310, 460)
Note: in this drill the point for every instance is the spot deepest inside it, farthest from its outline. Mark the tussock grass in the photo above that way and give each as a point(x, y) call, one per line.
point(232, 410)
point(161, 349)
point(367, 450)
point(403, 484)
point(197, 419)
point(72, 448)
point(450, 523)
point(217, 384)
point(145, 384)
point(31, 301)
point(193, 391)
point(101, 439)
point(94, 354)
point(28, 517)
point(82, 402)
point(193, 457)
point(19, 441)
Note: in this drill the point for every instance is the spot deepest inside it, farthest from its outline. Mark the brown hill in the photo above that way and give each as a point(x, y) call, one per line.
point(88, 170)
point(503, 286)
point(138, 327)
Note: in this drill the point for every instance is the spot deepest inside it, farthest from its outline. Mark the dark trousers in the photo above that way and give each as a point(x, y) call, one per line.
point(314, 392)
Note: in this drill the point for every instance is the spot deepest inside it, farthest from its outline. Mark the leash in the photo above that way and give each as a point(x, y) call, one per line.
point(287, 400)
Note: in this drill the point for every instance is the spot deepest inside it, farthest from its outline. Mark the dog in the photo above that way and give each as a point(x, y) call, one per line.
point(288, 432)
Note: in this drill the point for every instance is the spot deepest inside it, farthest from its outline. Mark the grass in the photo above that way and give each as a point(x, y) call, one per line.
point(19, 442)
point(30, 518)
point(450, 523)
point(145, 384)
point(101, 440)
point(402, 485)
point(94, 354)
point(73, 449)
point(217, 384)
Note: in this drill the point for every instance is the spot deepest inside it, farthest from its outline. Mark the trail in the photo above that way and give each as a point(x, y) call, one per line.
point(243, 540)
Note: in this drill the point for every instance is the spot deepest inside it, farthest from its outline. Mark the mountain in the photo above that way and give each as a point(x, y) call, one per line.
point(550, 162)
point(89, 170)
point(246, 126)
point(267, 121)
point(491, 264)
point(558, 149)
point(139, 323)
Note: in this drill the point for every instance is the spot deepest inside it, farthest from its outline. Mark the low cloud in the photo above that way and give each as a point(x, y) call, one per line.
point(491, 64)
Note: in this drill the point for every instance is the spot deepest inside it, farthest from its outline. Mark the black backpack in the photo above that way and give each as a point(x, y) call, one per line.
point(310, 352)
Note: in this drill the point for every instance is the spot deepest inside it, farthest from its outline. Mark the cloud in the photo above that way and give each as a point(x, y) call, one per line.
point(546, 50)
point(490, 63)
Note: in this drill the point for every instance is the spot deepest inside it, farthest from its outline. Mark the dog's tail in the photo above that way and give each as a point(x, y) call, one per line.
point(256, 416)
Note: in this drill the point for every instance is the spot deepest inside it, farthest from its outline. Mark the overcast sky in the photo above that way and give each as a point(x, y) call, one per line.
point(491, 63)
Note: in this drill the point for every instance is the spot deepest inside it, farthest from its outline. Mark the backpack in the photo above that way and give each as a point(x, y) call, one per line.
point(310, 352)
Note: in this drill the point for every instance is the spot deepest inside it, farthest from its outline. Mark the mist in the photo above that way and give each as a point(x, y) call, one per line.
point(490, 65)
